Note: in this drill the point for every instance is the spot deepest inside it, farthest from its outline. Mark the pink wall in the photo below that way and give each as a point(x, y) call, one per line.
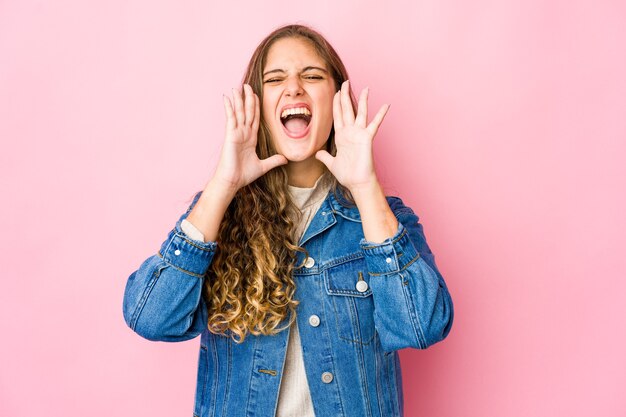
point(507, 134)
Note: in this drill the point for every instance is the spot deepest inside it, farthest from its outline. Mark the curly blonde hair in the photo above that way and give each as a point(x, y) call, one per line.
point(249, 286)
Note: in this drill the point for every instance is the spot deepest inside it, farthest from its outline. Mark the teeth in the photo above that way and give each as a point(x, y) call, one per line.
point(297, 110)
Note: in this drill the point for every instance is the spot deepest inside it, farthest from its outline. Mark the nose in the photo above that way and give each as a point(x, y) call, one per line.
point(293, 87)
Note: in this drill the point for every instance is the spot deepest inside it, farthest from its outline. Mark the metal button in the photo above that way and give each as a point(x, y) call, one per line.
point(361, 286)
point(388, 260)
point(327, 377)
point(323, 213)
point(177, 252)
point(309, 263)
point(314, 320)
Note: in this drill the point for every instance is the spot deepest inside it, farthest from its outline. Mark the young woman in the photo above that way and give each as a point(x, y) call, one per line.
point(301, 277)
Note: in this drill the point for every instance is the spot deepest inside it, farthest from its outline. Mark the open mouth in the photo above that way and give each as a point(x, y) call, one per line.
point(296, 121)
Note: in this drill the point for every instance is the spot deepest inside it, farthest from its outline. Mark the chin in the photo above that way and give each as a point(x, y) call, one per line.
point(297, 156)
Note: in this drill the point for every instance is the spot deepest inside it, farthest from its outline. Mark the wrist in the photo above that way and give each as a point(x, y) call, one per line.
point(209, 211)
point(366, 190)
point(378, 221)
point(220, 188)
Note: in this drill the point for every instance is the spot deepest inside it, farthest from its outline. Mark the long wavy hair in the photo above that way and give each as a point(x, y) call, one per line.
point(249, 287)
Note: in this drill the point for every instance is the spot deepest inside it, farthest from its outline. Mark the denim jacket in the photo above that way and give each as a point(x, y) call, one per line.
point(360, 302)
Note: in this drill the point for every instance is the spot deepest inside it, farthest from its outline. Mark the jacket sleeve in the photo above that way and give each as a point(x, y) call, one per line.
point(163, 298)
point(412, 305)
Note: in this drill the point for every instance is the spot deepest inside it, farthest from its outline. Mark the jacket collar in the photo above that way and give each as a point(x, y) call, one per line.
point(325, 217)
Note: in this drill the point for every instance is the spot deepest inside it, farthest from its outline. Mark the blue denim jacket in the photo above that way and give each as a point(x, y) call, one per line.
point(360, 302)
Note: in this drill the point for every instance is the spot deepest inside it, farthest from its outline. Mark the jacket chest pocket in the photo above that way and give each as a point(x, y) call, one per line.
point(350, 295)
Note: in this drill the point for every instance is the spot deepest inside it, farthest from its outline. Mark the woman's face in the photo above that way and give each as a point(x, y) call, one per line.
point(297, 98)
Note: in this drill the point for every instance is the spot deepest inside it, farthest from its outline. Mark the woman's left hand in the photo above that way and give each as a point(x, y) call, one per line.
point(353, 166)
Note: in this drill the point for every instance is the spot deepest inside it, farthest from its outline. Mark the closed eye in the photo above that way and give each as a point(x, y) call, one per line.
point(306, 77)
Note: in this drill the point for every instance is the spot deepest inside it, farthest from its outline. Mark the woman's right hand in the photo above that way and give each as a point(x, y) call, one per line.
point(238, 166)
point(239, 163)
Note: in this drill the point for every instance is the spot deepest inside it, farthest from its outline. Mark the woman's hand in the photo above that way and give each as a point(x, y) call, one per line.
point(353, 166)
point(238, 166)
point(239, 163)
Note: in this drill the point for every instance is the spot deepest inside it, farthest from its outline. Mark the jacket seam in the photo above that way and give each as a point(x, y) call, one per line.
point(364, 384)
point(417, 328)
point(331, 263)
point(411, 262)
point(228, 374)
point(252, 371)
point(216, 374)
point(184, 237)
point(144, 296)
point(378, 373)
point(404, 232)
point(177, 267)
point(391, 385)
point(345, 216)
point(203, 352)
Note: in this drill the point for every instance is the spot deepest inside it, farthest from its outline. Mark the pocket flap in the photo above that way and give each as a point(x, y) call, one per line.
point(349, 279)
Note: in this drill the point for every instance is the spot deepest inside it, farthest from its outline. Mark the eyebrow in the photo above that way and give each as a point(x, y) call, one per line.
point(305, 69)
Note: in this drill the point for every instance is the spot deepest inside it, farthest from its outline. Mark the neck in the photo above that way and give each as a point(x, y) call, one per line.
point(304, 173)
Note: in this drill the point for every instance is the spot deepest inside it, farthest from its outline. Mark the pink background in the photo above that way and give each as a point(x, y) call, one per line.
point(506, 134)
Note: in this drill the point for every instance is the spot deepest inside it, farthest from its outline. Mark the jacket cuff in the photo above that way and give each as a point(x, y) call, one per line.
point(188, 255)
point(392, 255)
